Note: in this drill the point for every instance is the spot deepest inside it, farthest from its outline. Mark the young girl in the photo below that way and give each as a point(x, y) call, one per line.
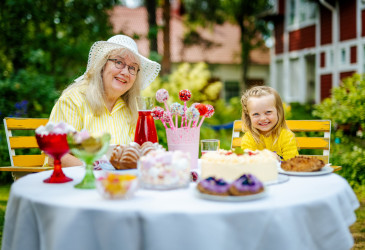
point(264, 123)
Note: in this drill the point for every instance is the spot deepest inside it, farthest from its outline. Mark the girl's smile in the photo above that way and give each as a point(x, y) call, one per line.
point(263, 113)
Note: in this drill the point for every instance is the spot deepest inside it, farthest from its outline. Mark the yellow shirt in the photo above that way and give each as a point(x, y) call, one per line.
point(73, 109)
point(285, 146)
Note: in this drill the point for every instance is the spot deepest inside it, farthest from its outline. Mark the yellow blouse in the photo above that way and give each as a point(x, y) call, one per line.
point(73, 108)
point(285, 146)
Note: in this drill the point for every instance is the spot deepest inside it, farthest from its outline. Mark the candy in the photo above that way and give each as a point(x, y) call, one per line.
point(188, 115)
point(192, 114)
point(194, 176)
point(185, 95)
point(162, 95)
point(157, 113)
point(208, 114)
point(166, 117)
point(202, 109)
point(115, 186)
point(54, 128)
point(210, 111)
point(176, 108)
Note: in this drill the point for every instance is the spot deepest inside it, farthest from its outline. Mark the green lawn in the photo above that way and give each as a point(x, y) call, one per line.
point(358, 229)
point(4, 194)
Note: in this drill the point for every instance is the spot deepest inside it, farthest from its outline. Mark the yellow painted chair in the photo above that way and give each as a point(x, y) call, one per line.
point(303, 142)
point(23, 163)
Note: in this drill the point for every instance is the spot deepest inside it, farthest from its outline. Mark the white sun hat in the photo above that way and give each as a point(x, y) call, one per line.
point(148, 69)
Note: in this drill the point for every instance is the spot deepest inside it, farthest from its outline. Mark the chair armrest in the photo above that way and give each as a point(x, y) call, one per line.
point(336, 168)
point(25, 169)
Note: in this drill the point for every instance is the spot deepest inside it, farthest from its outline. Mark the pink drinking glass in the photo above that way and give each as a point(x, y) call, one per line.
point(55, 145)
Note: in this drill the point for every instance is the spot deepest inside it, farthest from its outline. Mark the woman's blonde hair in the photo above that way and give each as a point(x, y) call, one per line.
point(94, 87)
point(259, 91)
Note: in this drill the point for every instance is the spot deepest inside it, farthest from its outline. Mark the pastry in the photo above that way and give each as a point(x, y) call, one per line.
point(302, 164)
point(247, 184)
point(214, 186)
point(126, 157)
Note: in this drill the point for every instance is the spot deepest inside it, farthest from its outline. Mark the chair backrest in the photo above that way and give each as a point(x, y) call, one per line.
point(303, 142)
point(23, 142)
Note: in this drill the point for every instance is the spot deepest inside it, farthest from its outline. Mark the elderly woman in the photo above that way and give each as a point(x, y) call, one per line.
point(103, 99)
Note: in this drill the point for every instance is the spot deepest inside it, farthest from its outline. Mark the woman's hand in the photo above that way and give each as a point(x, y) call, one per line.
point(67, 160)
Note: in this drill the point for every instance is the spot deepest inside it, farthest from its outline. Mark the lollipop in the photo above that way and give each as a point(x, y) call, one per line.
point(208, 114)
point(192, 114)
point(184, 96)
point(161, 96)
point(157, 114)
point(166, 118)
point(175, 110)
point(210, 111)
point(194, 104)
point(202, 111)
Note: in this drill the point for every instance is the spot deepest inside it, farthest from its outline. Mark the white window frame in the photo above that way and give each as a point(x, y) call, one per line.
point(301, 7)
point(362, 4)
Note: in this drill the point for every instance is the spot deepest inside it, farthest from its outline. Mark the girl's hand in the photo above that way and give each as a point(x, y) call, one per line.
point(277, 156)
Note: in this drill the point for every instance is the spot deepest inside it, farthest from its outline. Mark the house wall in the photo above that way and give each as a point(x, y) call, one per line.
point(347, 13)
point(332, 47)
point(302, 38)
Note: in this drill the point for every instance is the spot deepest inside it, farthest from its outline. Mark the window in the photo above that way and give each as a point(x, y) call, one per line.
point(231, 89)
point(302, 12)
point(343, 56)
point(294, 85)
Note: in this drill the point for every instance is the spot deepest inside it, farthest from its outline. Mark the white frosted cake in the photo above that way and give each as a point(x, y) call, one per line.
point(230, 166)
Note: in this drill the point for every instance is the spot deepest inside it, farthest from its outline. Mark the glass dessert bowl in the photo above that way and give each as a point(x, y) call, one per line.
point(52, 139)
point(88, 149)
point(114, 185)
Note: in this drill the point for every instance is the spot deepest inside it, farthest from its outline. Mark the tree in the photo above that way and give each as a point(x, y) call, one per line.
point(50, 37)
point(166, 59)
point(152, 25)
point(244, 13)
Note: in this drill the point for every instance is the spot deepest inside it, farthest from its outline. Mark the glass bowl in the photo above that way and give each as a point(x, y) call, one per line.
point(114, 185)
point(164, 170)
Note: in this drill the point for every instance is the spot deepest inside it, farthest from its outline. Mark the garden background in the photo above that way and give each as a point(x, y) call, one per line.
point(43, 47)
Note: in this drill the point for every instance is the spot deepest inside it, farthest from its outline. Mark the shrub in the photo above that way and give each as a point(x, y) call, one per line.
point(27, 94)
point(346, 106)
point(346, 109)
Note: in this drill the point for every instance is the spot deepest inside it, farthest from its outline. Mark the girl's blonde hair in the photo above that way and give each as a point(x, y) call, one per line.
point(94, 87)
point(259, 91)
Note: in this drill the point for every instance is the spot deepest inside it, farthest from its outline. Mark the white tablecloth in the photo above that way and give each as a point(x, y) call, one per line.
point(303, 213)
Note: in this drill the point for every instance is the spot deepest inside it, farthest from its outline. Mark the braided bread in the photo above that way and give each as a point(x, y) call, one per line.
point(126, 157)
point(302, 164)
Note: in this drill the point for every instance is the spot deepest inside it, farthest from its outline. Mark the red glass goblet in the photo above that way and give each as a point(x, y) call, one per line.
point(55, 145)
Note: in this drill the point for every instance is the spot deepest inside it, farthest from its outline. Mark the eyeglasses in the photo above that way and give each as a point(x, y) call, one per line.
point(120, 65)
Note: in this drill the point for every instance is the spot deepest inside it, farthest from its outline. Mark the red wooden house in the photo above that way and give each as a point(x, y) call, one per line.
point(316, 44)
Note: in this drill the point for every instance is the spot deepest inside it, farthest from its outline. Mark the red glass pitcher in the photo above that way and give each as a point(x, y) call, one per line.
point(145, 129)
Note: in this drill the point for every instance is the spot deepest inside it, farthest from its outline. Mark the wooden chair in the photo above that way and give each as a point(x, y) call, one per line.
point(303, 142)
point(23, 162)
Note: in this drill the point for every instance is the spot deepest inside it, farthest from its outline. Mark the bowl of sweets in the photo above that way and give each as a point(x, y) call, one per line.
point(115, 185)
